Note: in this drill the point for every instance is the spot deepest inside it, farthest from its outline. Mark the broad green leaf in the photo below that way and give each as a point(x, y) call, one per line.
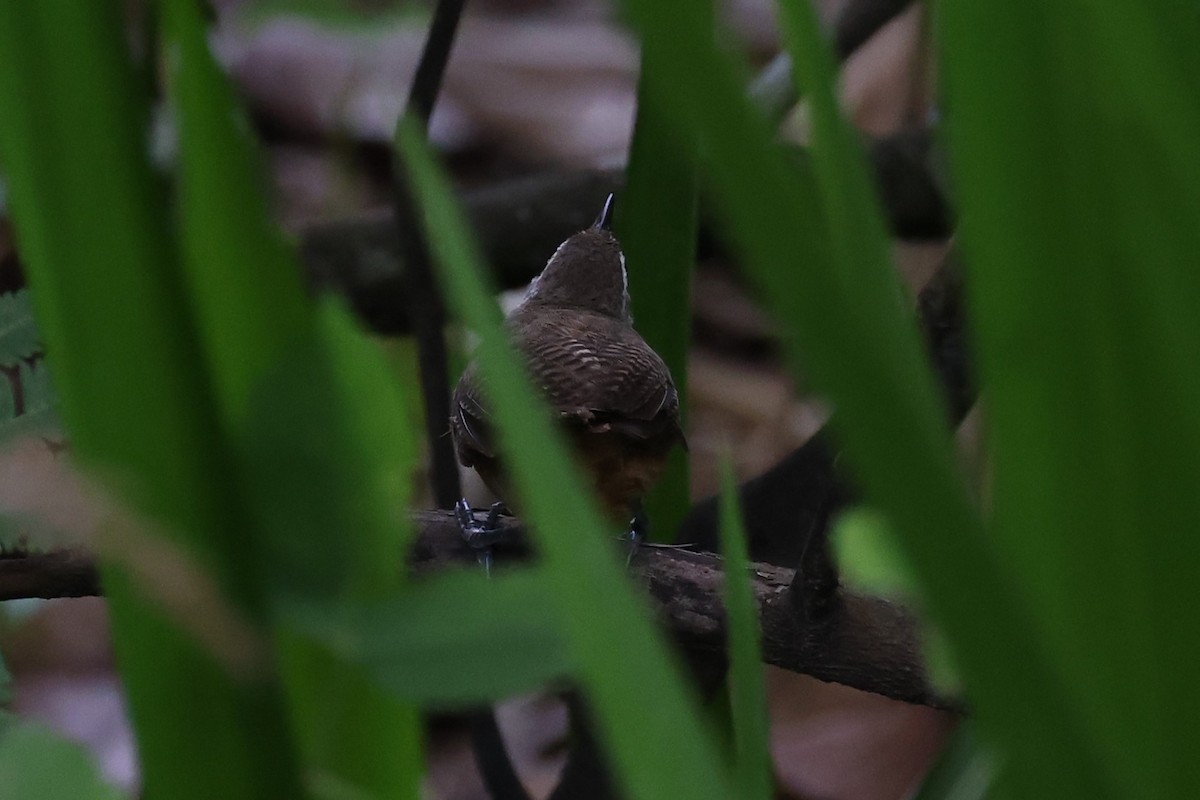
point(37, 764)
point(329, 415)
point(452, 640)
point(650, 723)
point(1072, 131)
point(38, 402)
point(91, 221)
point(747, 695)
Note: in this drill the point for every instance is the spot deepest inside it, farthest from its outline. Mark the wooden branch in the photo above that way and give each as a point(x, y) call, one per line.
point(520, 222)
point(863, 642)
point(58, 573)
point(860, 21)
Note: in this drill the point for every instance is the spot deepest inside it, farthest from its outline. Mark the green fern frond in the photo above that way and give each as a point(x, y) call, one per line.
point(38, 404)
point(27, 400)
point(18, 332)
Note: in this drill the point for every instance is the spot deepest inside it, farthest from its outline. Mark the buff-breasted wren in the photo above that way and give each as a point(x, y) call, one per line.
point(612, 394)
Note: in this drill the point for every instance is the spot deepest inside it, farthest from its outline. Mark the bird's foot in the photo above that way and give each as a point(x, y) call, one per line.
point(481, 536)
point(634, 537)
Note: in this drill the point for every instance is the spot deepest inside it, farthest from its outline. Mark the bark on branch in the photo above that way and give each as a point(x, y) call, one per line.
point(520, 222)
point(864, 642)
point(57, 573)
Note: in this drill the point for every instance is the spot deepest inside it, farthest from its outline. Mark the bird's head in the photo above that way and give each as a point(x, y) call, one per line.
point(586, 271)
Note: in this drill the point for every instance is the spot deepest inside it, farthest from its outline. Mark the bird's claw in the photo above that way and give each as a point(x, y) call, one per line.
point(634, 537)
point(480, 536)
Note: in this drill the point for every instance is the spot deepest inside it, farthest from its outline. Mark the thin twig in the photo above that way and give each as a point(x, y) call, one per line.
point(520, 222)
point(425, 309)
point(860, 21)
point(427, 82)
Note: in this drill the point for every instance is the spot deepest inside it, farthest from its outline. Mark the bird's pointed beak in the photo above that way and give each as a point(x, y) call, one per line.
point(604, 221)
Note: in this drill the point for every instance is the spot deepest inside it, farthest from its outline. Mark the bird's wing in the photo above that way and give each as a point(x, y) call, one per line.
point(594, 371)
point(599, 372)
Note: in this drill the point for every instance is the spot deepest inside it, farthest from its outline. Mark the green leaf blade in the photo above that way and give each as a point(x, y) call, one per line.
point(656, 223)
point(18, 332)
point(243, 280)
point(648, 720)
point(857, 345)
point(306, 404)
point(753, 769)
point(101, 259)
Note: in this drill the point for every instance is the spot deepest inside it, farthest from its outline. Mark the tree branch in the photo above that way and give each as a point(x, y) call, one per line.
point(520, 222)
point(57, 573)
point(864, 642)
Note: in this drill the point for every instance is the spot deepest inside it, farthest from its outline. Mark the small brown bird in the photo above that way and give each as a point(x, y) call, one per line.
point(611, 391)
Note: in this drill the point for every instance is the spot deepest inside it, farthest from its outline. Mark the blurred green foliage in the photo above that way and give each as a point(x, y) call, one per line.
point(752, 769)
point(260, 438)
